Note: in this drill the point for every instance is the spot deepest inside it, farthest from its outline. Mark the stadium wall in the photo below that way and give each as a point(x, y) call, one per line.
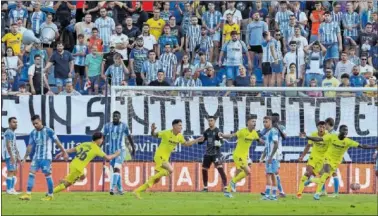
point(187, 177)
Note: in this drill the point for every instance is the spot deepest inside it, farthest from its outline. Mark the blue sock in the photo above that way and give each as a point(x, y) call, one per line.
point(31, 180)
point(274, 191)
point(119, 183)
point(267, 190)
point(336, 184)
point(324, 187)
point(9, 181)
point(115, 180)
point(279, 184)
point(50, 185)
point(14, 181)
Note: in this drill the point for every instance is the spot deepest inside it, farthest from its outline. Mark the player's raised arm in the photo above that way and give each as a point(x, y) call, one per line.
point(131, 141)
point(226, 136)
point(193, 141)
point(60, 146)
point(112, 156)
point(305, 151)
point(314, 139)
point(364, 146)
point(67, 151)
point(153, 130)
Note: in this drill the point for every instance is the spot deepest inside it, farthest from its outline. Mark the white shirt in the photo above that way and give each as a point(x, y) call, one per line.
point(120, 39)
point(149, 41)
point(315, 64)
point(342, 68)
point(11, 64)
point(366, 69)
point(292, 58)
point(237, 16)
point(301, 43)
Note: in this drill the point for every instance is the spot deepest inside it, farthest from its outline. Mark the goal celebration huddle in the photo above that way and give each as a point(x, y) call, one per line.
point(327, 150)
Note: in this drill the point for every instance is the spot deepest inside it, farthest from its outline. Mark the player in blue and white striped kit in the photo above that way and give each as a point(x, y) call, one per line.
point(115, 136)
point(41, 139)
point(270, 136)
point(11, 155)
point(375, 156)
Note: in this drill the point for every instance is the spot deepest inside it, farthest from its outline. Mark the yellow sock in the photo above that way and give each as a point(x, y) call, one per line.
point(323, 179)
point(59, 188)
point(142, 188)
point(302, 184)
point(239, 177)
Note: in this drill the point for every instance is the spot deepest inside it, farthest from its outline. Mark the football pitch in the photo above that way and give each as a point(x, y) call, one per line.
point(189, 203)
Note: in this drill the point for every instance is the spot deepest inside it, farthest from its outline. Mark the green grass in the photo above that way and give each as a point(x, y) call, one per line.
point(76, 203)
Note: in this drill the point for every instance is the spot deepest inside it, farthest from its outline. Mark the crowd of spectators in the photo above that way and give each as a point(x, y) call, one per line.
point(188, 43)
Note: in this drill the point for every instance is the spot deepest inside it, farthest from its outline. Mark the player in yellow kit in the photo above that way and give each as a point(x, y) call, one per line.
point(85, 152)
point(245, 138)
point(169, 140)
point(337, 146)
point(316, 158)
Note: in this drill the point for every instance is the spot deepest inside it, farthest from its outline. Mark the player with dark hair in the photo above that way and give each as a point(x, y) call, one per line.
point(169, 140)
point(85, 153)
point(41, 139)
point(316, 158)
point(213, 153)
point(116, 133)
point(281, 136)
point(11, 155)
point(337, 146)
point(245, 138)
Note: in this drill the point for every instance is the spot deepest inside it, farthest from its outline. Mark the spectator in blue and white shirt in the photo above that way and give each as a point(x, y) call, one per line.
point(37, 18)
point(336, 13)
point(233, 52)
point(169, 63)
point(351, 24)
point(206, 44)
point(193, 36)
point(212, 21)
point(151, 67)
point(106, 27)
point(79, 52)
point(138, 56)
point(18, 13)
point(282, 16)
point(330, 37)
point(118, 71)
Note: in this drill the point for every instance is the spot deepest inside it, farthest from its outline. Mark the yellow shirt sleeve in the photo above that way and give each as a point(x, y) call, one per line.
point(5, 38)
point(162, 134)
point(352, 143)
point(100, 153)
point(181, 139)
point(256, 135)
point(239, 134)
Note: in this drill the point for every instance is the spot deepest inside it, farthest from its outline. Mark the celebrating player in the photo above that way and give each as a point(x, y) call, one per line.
point(41, 138)
point(11, 155)
point(338, 145)
point(270, 136)
point(330, 128)
point(282, 135)
point(316, 158)
point(245, 138)
point(213, 153)
point(85, 152)
point(116, 133)
point(169, 140)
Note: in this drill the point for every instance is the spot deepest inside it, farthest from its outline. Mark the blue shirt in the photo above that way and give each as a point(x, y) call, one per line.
point(208, 81)
point(269, 136)
point(255, 31)
point(357, 81)
point(37, 19)
point(164, 40)
point(42, 142)
point(80, 60)
point(61, 63)
point(16, 14)
point(115, 136)
point(117, 72)
point(373, 53)
point(212, 19)
point(9, 136)
point(139, 56)
point(328, 32)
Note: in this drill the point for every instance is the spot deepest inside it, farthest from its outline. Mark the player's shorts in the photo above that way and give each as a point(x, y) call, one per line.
point(209, 159)
point(232, 72)
point(43, 164)
point(10, 166)
point(118, 161)
point(333, 164)
point(216, 36)
point(316, 164)
point(73, 175)
point(159, 160)
point(256, 49)
point(271, 168)
point(79, 70)
point(277, 68)
point(266, 68)
point(240, 161)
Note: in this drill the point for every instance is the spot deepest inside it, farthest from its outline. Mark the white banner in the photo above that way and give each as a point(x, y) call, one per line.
point(82, 115)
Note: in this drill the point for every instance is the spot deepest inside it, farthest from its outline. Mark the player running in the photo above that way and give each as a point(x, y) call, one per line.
point(245, 138)
point(270, 136)
point(169, 140)
point(115, 133)
point(85, 153)
point(11, 155)
point(281, 136)
point(213, 153)
point(338, 145)
point(316, 158)
point(41, 139)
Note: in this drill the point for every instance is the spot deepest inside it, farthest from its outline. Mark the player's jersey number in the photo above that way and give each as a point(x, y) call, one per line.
point(82, 154)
